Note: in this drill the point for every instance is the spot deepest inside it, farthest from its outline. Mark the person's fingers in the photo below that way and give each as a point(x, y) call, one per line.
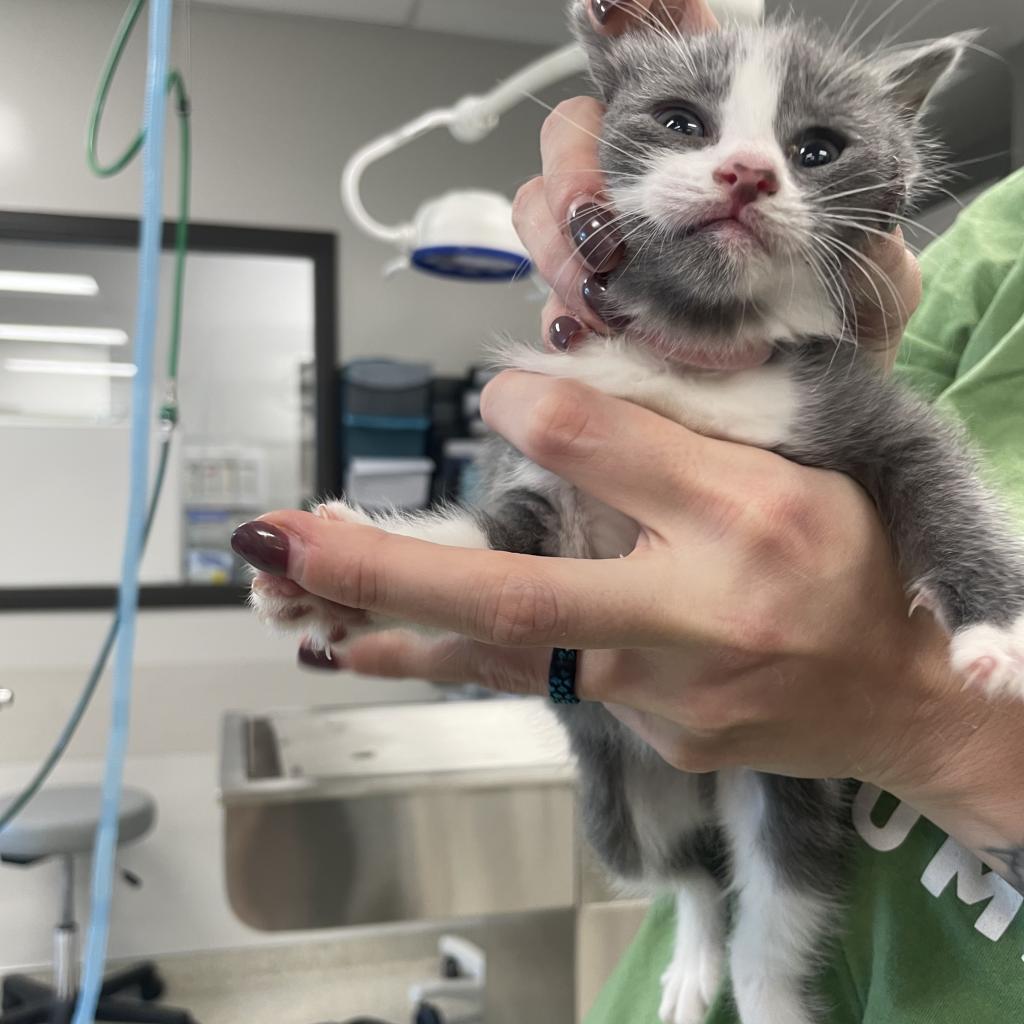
point(494, 596)
point(564, 223)
point(628, 457)
point(578, 212)
point(613, 17)
point(569, 157)
point(552, 252)
point(454, 659)
point(451, 659)
point(886, 292)
point(574, 182)
point(581, 235)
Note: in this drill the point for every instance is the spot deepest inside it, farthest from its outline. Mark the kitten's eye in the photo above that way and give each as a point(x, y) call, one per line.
point(817, 148)
point(680, 119)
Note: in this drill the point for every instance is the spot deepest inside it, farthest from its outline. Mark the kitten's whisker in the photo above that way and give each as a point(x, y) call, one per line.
point(577, 125)
point(666, 29)
point(636, 256)
point(847, 23)
point(831, 278)
point(957, 201)
point(888, 12)
point(844, 298)
point(864, 264)
point(980, 159)
point(578, 269)
point(842, 181)
point(834, 216)
point(842, 257)
point(576, 264)
point(644, 15)
point(852, 192)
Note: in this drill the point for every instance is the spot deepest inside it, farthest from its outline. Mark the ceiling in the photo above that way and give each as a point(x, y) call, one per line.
point(528, 21)
point(543, 21)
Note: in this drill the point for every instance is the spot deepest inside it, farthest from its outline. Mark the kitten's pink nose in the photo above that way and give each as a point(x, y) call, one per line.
point(746, 179)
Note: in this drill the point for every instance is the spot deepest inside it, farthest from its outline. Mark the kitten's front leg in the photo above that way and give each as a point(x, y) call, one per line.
point(952, 541)
point(520, 520)
point(288, 608)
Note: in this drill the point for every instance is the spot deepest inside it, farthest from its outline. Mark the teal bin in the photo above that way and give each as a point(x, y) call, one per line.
point(384, 436)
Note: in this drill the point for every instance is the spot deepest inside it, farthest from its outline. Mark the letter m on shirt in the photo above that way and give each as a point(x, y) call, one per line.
point(974, 883)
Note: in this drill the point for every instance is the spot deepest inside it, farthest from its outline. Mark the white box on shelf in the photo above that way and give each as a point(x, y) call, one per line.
point(380, 483)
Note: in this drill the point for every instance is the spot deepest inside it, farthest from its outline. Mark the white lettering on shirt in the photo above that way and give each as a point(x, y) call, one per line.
point(893, 833)
point(974, 884)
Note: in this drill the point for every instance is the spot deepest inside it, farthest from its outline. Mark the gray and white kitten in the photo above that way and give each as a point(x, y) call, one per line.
point(751, 167)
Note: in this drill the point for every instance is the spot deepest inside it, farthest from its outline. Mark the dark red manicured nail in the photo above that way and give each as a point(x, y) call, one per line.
point(564, 331)
point(263, 546)
point(599, 244)
point(317, 657)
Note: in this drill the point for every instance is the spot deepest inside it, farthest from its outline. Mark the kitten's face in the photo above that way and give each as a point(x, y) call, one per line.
point(749, 168)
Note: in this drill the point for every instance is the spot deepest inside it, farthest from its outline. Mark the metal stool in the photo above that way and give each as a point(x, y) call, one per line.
point(61, 822)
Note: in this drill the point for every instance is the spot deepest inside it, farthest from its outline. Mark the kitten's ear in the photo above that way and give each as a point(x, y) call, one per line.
point(915, 74)
point(600, 50)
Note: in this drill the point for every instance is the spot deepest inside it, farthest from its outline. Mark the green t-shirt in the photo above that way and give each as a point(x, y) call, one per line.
point(930, 936)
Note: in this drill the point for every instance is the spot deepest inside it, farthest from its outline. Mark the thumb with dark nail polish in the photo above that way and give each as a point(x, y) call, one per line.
point(263, 545)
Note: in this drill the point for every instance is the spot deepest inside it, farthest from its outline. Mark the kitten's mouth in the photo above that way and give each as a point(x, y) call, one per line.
point(731, 224)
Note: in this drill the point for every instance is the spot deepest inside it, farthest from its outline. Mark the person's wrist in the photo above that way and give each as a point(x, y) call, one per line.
point(937, 747)
point(965, 778)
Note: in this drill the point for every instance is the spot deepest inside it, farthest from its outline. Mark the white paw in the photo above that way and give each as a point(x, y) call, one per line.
point(991, 657)
point(344, 512)
point(287, 608)
point(689, 986)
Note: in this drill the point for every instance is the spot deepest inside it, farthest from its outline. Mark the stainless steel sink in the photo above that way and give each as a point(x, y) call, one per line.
point(390, 813)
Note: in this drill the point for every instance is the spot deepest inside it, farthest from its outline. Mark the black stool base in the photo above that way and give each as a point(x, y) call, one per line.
point(26, 1001)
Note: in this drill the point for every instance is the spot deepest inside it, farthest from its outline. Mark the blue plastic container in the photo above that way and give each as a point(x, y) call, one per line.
point(383, 436)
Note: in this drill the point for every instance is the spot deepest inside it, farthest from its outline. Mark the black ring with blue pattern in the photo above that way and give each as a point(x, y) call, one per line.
point(562, 676)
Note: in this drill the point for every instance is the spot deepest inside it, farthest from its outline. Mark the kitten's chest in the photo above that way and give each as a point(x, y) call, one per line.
point(758, 407)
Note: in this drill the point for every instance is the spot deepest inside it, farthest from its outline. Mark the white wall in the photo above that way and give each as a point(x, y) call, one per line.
point(278, 105)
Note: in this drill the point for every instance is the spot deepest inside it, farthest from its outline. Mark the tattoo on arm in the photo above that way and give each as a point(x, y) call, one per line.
point(1011, 859)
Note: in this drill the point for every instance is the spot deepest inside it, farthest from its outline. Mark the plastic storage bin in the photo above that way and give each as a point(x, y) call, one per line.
point(460, 471)
point(208, 555)
point(384, 436)
point(386, 387)
point(382, 483)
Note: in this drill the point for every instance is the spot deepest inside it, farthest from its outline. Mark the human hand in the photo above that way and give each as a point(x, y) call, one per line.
point(566, 224)
point(759, 620)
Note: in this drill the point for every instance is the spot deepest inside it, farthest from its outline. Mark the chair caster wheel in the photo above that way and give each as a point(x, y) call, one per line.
point(427, 1013)
point(152, 989)
point(151, 985)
